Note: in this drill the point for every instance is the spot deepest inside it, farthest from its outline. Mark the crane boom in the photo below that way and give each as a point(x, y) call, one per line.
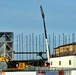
point(47, 45)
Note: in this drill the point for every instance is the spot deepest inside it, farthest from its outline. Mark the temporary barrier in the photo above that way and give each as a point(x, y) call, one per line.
point(19, 73)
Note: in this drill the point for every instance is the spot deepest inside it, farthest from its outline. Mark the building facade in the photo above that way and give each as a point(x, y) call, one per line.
point(67, 49)
point(63, 62)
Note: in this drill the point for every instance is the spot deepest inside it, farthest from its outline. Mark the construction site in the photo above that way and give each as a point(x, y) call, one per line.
point(27, 54)
point(31, 49)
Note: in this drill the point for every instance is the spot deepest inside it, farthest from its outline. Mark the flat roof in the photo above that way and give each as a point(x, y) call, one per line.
point(74, 43)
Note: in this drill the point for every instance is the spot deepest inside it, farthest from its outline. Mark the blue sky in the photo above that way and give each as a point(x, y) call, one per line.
point(24, 16)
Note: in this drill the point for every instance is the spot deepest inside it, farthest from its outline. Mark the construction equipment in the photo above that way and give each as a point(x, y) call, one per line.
point(46, 39)
point(3, 63)
point(12, 65)
point(3, 59)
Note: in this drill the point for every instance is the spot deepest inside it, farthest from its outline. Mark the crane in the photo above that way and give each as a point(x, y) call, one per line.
point(46, 39)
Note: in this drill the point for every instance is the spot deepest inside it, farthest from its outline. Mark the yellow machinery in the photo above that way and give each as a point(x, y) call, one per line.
point(13, 65)
point(3, 63)
point(3, 59)
point(19, 66)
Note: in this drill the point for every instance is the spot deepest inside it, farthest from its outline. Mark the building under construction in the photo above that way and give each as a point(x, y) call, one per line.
point(67, 49)
point(6, 44)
